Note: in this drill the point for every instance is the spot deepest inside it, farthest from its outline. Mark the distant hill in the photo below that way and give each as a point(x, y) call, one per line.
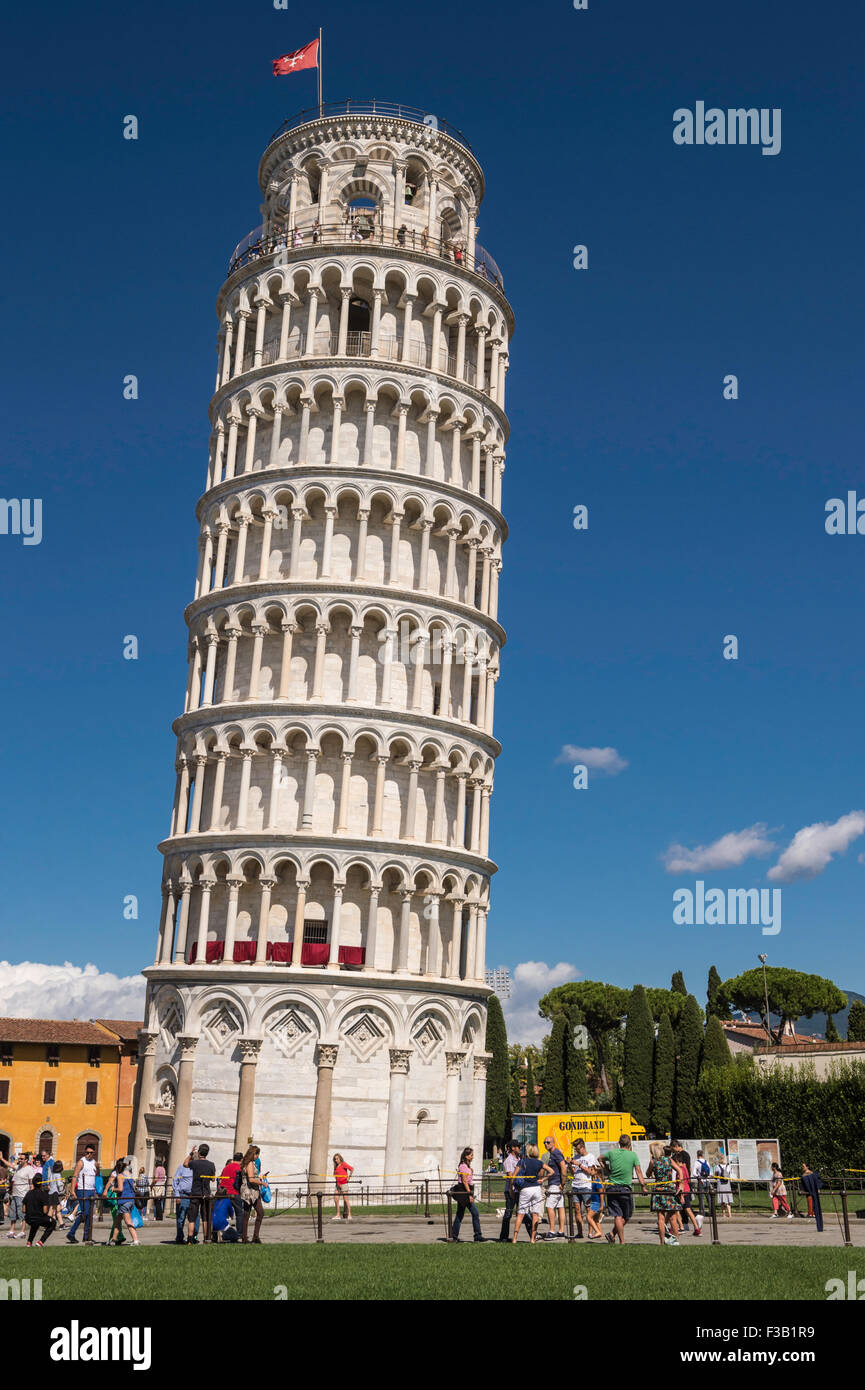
point(816, 1027)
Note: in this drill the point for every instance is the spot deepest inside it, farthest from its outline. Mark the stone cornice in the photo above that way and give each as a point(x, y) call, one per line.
point(418, 852)
point(327, 361)
point(364, 716)
point(350, 476)
point(321, 588)
point(360, 982)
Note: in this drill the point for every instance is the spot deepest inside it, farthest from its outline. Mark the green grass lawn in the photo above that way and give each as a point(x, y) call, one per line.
point(349, 1272)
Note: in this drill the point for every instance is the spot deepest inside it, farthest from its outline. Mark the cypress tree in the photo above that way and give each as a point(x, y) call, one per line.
point(553, 1094)
point(664, 1077)
point(677, 984)
point(639, 1047)
point(576, 1079)
point(832, 1034)
point(716, 1003)
point(856, 1022)
point(716, 1050)
point(531, 1099)
point(689, 1047)
point(516, 1105)
point(498, 1070)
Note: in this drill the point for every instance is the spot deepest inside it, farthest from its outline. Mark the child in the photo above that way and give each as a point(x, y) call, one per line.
point(54, 1192)
point(778, 1191)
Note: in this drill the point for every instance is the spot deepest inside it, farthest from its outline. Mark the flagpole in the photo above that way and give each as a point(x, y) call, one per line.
point(319, 74)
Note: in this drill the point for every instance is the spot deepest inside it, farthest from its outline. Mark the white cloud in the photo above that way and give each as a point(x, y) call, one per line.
point(30, 990)
point(726, 853)
point(529, 981)
point(812, 847)
point(608, 760)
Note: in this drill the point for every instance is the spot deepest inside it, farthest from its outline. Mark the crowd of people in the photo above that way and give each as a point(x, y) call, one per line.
point(36, 1196)
point(359, 228)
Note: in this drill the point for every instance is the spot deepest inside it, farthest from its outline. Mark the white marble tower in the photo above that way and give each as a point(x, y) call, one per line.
point(319, 975)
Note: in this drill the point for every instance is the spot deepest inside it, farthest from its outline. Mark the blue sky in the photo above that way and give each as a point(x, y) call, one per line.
point(706, 516)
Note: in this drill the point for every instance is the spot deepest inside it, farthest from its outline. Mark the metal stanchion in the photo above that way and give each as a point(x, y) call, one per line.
point(426, 1197)
point(793, 1204)
point(450, 1223)
point(713, 1216)
point(571, 1232)
point(845, 1214)
point(319, 1197)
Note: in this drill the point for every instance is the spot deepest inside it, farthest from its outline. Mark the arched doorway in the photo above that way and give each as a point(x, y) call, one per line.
point(84, 1141)
point(45, 1143)
point(5, 1144)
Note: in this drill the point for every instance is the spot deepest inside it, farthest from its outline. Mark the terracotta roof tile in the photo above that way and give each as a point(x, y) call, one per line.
point(52, 1030)
point(124, 1028)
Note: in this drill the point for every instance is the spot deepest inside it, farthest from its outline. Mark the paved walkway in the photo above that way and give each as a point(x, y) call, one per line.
point(379, 1229)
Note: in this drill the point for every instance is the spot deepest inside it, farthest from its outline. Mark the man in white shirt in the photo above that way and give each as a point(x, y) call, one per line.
point(84, 1187)
point(583, 1166)
point(20, 1180)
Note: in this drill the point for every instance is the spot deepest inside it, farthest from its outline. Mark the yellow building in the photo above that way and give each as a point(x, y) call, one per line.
point(65, 1084)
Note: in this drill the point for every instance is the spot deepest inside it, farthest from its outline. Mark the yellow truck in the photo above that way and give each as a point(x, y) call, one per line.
point(595, 1126)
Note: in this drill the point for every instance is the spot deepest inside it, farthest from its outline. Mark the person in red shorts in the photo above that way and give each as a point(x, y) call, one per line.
point(342, 1171)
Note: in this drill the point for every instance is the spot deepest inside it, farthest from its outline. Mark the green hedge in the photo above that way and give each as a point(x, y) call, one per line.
point(821, 1123)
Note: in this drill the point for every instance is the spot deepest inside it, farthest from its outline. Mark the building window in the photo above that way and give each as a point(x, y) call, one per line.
point(49, 1093)
point(52, 1052)
point(90, 1092)
point(4, 1092)
point(315, 933)
point(7, 1051)
point(94, 1056)
point(86, 1141)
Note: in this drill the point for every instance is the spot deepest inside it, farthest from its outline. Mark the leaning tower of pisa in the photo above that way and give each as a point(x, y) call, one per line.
point(319, 974)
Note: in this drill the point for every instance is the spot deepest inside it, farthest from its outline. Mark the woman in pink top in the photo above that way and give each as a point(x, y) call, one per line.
point(681, 1165)
point(463, 1191)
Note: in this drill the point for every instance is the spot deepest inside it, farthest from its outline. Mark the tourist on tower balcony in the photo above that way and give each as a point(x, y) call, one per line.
point(463, 1190)
point(401, 234)
point(251, 1183)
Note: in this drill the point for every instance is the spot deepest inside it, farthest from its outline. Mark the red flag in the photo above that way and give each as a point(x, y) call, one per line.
point(306, 57)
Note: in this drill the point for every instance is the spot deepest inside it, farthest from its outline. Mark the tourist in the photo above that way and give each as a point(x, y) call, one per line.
point(401, 233)
point(555, 1200)
point(297, 240)
point(84, 1187)
point(229, 1184)
point(724, 1191)
point(181, 1186)
point(55, 1190)
point(531, 1200)
point(157, 1190)
point(583, 1167)
point(664, 1201)
point(511, 1164)
point(316, 232)
point(5, 1170)
point(122, 1187)
point(810, 1183)
point(342, 1171)
point(36, 1214)
point(596, 1206)
point(19, 1185)
point(250, 1193)
point(682, 1162)
point(623, 1165)
point(778, 1192)
point(201, 1193)
point(424, 240)
point(142, 1193)
point(463, 1192)
point(701, 1175)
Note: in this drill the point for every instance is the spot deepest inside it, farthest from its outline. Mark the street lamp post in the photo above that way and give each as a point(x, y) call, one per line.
point(762, 960)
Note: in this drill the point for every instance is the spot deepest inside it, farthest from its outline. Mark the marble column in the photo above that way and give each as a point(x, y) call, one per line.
point(451, 1145)
point(183, 1106)
point(400, 1059)
point(480, 1062)
point(249, 1052)
point(319, 1167)
point(143, 1091)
